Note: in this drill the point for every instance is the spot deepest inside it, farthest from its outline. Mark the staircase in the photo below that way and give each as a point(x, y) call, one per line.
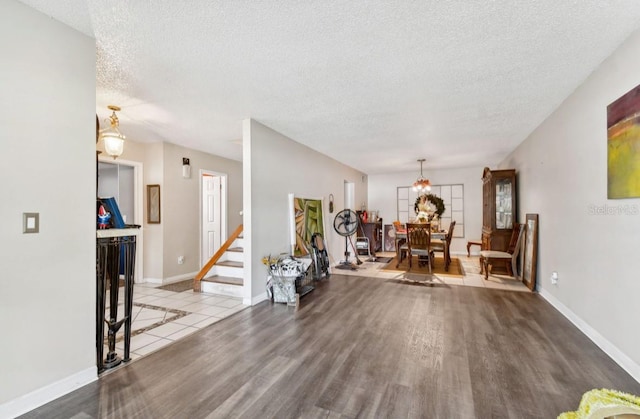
point(224, 272)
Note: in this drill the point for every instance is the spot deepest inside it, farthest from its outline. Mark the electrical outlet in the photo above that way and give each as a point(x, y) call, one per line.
point(554, 277)
point(180, 260)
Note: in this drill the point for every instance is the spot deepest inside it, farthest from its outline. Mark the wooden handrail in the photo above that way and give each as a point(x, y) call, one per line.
point(207, 267)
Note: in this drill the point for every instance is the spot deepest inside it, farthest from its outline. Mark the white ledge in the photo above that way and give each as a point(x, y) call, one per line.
point(117, 232)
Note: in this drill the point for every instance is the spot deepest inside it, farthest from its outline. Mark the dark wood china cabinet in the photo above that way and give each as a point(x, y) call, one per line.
point(499, 210)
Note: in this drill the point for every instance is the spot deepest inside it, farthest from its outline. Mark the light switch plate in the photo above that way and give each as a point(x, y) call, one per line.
point(30, 222)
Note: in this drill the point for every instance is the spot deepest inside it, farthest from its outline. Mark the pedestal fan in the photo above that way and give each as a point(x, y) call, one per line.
point(346, 224)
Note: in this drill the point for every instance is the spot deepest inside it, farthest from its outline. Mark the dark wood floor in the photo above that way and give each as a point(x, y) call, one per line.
point(364, 347)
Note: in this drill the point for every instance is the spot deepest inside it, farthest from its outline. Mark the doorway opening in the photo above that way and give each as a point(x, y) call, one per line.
point(122, 180)
point(349, 195)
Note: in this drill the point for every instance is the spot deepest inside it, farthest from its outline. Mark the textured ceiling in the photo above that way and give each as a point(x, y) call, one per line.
point(374, 84)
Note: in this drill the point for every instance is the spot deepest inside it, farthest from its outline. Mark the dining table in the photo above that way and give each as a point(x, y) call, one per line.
point(441, 234)
point(401, 238)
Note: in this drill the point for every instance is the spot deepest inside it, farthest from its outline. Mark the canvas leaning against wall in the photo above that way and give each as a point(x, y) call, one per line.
point(309, 219)
point(623, 146)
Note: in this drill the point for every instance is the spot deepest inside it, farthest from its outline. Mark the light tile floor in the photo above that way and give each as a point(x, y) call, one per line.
point(471, 278)
point(161, 317)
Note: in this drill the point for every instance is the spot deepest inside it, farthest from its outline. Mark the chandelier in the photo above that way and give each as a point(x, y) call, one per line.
point(421, 184)
point(112, 137)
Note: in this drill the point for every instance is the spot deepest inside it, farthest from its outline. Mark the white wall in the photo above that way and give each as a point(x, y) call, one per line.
point(151, 155)
point(279, 166)
point(47, 284)
point(383, 195)
point(181, 206)
point(178, 233)
point(562, 169)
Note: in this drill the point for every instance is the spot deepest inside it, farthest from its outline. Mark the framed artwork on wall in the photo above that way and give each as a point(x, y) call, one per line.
point(153, 204)
point(623, 146)
point(307, 219)
point(529, 269)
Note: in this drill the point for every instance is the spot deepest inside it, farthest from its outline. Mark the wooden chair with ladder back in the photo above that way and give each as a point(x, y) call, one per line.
point(444, 246)
point(418, 244)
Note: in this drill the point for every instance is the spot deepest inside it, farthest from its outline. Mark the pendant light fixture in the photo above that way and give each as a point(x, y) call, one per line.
point(112, 137)
point(421, 184)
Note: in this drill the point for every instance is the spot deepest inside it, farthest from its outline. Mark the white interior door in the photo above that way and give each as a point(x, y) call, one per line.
point(211, 216)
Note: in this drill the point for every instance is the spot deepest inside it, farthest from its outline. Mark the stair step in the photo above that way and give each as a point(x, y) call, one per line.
point(230, 263)
point(232, 257)
point(236, 249)
point(221, 288)
point(224, 280)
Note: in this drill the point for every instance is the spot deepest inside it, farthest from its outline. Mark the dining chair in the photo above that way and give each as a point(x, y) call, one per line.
point(400, 237)
point(419, 243)
point(510, 257)
point(444, 246)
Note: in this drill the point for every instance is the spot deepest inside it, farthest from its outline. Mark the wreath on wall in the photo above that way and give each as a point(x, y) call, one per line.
point(436, 201)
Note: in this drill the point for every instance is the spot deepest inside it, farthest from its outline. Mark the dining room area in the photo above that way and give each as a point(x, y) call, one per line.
point(430, 229)
point(464, 271)
point(420, 253)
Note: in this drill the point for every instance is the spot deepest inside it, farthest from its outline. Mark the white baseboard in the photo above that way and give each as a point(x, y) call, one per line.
point(50, 392)
point(171, 279)
point(610, 349)
point(255, 300)
point(178, 278)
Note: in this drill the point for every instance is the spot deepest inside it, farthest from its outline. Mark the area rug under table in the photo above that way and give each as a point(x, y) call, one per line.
point(455, 268)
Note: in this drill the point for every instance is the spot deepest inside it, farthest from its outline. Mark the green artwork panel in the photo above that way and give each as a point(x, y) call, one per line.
point(309, 220)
